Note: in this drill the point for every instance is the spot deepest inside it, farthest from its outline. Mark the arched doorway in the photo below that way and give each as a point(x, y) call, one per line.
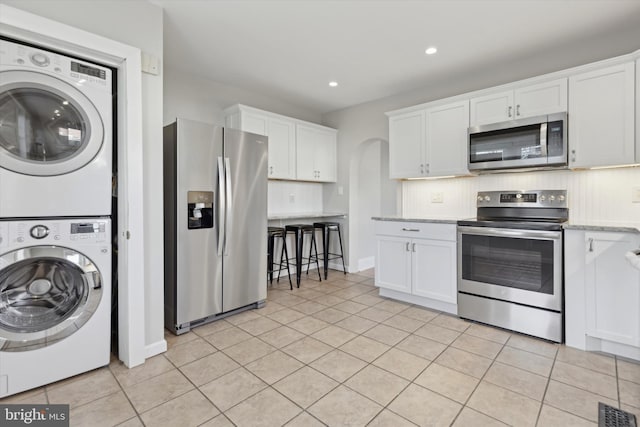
point(372, 193)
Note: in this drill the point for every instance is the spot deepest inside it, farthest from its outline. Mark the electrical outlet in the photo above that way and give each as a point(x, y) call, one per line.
point(292, 198)
point(635, 195)
point(437, 197)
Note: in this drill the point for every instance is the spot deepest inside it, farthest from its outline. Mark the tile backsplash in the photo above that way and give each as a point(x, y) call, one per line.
point(290, 197)
point(596, 197)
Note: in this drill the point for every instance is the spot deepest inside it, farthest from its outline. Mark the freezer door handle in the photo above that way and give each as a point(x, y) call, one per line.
point(229, 216)
point(221, 205)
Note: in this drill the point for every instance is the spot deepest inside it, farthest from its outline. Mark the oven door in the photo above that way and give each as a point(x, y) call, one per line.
point(520, 266)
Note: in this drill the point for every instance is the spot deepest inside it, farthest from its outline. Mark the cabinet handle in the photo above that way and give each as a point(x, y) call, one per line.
point(509, 111)
point(407, 247)
point(421, 168)
point(518, 110)
point(427, 169)
point(413, 247)
point(591, 245)
point(410, 229)
point(573, 156)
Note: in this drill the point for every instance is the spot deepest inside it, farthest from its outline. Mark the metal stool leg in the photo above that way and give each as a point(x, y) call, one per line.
point(270, 244)
point(341, 251)
point(284, 254)
point(313, 241)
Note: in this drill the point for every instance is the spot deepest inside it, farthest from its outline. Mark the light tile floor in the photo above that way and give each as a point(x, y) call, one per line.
point(335, 353)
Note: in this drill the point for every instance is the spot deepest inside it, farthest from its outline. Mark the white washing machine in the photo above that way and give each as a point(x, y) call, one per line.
point(55, 300)
point(56, 133)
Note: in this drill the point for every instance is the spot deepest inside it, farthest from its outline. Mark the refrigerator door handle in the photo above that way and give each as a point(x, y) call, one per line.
point(229, 197)
point(221, 206)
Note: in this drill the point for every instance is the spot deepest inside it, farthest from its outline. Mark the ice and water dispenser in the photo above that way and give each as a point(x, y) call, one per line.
point(200, 205)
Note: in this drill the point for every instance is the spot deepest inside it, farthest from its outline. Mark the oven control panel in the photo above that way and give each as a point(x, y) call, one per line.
point(529, 198)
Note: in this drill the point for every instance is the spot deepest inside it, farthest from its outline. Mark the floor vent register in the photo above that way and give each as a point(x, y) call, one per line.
point(608, 416)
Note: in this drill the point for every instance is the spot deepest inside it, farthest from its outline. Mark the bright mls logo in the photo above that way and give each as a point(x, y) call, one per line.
point(34, 415)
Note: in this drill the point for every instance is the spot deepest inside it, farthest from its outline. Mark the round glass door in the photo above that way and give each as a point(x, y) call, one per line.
point(47, 127)
point(46, 294)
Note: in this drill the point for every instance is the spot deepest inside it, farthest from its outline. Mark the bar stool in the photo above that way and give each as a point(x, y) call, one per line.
point(299, 230)
point(272, 234)
point(326, 227)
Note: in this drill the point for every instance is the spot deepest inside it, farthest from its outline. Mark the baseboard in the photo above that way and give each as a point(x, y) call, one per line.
point(366, 263)
point(155, 348)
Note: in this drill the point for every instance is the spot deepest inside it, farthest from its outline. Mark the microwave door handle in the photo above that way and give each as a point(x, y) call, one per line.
point(543, 140)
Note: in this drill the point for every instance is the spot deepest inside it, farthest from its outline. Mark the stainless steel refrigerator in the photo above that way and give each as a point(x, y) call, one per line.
point(215, 222)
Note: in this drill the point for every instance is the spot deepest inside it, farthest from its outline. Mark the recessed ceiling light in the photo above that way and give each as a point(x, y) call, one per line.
point(431, 50)
point(333, 84)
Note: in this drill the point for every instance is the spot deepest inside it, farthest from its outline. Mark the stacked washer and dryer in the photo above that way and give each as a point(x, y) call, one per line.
point(55, 206)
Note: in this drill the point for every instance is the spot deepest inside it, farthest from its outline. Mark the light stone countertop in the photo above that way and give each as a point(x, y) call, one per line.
point(567, 226)
point(601, 227)
point(403, 219)
point(286, 216)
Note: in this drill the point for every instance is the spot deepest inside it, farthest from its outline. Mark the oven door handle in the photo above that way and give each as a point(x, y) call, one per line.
point(508, 232)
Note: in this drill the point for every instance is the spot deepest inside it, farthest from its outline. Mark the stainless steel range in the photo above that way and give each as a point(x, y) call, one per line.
point(510, 262)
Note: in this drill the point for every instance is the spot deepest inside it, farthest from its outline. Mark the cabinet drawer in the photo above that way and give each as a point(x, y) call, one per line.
point(423, 230)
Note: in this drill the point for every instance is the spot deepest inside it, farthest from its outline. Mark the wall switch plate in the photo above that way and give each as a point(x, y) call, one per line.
point(150, 64)
point(437, 197)
point(635, 195)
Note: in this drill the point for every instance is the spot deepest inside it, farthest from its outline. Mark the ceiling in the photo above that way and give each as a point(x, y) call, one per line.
point(291, 49)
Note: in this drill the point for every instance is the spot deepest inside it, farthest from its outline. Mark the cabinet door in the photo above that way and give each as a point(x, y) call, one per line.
point(305, 153)
point(602, 117)
point(434, 269)
point(540, 99)
point(406, 145)
point(393, 263)
point(447, 139)
point(612, 288)
point(282, 149)
point(325, 158)
point(492, 108)
point(315, 154)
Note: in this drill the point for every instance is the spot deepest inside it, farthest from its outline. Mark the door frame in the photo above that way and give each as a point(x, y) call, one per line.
point(127, 60)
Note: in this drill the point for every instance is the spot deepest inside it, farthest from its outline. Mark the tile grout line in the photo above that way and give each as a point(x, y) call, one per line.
point(546, 388)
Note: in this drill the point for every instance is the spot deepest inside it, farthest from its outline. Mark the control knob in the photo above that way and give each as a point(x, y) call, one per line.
point(561, 198)
point(552, 198)
point(40, 59)
point(543, 198)
point(479, 198)
point(487, 198)
point(39, 232)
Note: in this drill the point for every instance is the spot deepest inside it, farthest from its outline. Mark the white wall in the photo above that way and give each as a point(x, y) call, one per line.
point(140, 26)
point(192, 97)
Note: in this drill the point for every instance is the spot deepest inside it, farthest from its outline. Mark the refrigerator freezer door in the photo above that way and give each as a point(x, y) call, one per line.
point(245, 260)
point(199, 268)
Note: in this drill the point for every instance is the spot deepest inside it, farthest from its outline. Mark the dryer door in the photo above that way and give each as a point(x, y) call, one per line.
point(46, 294)
point(47, 126)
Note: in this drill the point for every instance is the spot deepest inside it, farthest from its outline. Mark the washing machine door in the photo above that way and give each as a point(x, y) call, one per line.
point(47, 126)
point(46, 294)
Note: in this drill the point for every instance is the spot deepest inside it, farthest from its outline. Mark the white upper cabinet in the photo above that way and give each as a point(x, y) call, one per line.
point(527, 101)
point(290, 141)
point(447, 137)
point(429, 142)
point(406, 145)
point(316, 153)
point(602, 117)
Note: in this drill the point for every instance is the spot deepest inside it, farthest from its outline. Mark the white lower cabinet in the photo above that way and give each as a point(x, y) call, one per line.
point(602, 292)
point(416, 263)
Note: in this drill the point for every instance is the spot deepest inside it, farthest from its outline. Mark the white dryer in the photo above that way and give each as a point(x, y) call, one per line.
point(56, 132)
point(55, 300)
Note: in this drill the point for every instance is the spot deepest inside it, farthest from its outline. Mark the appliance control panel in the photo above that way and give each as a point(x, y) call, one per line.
point(39, 232)
point(17, 56)
point(522, 198)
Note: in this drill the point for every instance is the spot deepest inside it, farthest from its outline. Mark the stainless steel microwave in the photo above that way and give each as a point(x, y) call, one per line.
point(534, 142)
